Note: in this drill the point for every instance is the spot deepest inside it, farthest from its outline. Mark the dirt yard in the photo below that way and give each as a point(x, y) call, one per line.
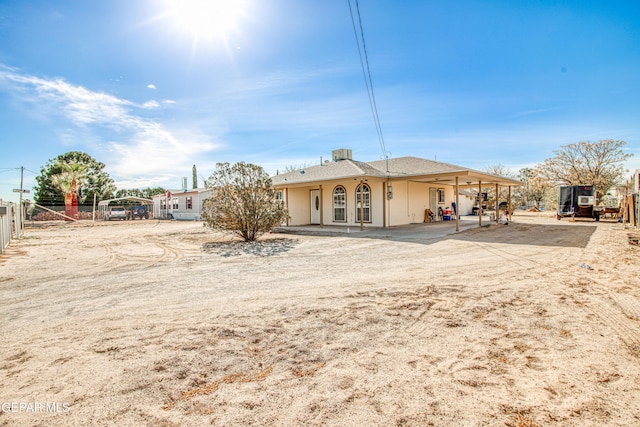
point(534, 323)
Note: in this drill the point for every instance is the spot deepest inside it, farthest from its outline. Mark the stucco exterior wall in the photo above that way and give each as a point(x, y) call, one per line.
point(299, 205)
point(418, 202)
point(410, 200)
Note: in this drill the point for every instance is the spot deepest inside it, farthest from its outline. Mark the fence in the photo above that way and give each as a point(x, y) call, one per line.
point(38, 213)
point(8, 218)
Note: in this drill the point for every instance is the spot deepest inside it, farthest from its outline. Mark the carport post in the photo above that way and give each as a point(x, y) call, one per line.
point(480, 202)
point(497, 203)
point(93, 216)
point(286, 202)
point(321, 219)
point(509, 204)
point(457, 207)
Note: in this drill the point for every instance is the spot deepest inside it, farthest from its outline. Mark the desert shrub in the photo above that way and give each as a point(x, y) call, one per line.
point(244, 201)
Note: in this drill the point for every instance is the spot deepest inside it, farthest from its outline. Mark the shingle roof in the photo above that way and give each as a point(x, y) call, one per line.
point(409, 165)
point(391, 168)
point(328, 171)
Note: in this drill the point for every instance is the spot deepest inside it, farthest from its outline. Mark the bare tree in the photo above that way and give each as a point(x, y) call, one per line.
point(534, 188)
point(294, 168)
point(501, 171)
point(587, 163)
point(244, 201)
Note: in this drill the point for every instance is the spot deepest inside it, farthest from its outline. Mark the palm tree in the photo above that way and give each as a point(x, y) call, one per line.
point(72, 177)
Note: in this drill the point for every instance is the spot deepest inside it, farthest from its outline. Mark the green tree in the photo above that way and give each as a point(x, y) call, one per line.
point(244, 202)
point(194, 177)
point(69, 181)
point(587, 163)
point(145, 193)
point(97, 182)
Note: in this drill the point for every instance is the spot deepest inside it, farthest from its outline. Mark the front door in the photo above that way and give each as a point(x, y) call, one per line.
point(433, 203)
point(315, 206)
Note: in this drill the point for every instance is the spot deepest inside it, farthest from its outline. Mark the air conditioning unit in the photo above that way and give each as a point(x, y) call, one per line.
point(341, 154)
point(585, 200)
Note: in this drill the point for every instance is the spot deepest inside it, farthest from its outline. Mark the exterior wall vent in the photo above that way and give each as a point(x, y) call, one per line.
point(341, 154)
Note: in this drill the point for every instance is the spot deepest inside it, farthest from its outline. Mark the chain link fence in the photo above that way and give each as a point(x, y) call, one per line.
point(56, 212)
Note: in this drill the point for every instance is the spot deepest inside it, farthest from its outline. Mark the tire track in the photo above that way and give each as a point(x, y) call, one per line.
point(628, 330)
point(629, 304)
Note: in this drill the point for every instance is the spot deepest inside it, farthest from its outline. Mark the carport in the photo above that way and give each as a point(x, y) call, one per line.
point(470, 179)
point(103, 205)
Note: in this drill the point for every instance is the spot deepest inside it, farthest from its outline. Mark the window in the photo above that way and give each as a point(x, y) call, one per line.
point(175, 203)
point(279, 195)
point(339, 204)
point(366, 205)
point(189, 202)
point(163, 204)
point(440, 195)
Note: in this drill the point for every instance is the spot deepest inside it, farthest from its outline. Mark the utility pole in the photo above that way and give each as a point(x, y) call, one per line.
point(20, 206)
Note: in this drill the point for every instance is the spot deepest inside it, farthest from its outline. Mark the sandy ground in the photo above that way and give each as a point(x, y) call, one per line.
point(169, 324)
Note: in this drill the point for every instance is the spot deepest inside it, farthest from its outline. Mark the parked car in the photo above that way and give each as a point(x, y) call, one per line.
point(141, 212)
point(116, 212)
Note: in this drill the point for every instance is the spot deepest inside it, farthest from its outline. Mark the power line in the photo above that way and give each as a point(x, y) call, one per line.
point(366, 72)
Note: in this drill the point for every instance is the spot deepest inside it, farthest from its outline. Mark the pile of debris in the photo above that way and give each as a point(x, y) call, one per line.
point(50, 216)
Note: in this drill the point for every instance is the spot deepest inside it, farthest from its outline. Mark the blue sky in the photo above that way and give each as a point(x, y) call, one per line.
point(150, 89)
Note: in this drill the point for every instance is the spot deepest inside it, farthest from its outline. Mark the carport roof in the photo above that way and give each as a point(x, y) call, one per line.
point(411, 168)
point(118, 199)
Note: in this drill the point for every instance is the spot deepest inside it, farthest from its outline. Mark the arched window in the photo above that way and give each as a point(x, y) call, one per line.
point(339, 204)
point(366, 203)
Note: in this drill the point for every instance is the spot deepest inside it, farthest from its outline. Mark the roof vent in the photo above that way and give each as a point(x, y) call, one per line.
point(341, 154)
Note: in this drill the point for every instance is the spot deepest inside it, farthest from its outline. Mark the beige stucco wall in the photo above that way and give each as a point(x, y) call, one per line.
point(410, 200)
point(299, 203)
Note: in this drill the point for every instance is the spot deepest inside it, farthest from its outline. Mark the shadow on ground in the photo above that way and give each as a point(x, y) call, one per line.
point(557, 235)
point(560, 235)
point(260, 248)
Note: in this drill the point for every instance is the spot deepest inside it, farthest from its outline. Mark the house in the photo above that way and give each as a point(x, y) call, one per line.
point(180, 204)
point(396, 191)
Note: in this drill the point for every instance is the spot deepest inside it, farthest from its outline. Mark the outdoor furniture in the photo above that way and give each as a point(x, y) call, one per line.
point(428, 216)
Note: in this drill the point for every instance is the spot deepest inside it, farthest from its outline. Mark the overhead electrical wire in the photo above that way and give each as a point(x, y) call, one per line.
point(366, 72)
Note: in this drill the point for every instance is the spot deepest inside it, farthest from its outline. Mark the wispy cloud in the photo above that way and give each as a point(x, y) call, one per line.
point(136, 146)
point(151, 86)
point(150, 104)
point(534, 112)
point(168, 101)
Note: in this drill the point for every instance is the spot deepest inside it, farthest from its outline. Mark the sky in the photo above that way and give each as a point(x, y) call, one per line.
point(152, 87)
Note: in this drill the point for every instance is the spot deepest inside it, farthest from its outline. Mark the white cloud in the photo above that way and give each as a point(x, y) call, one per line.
point(150, 104)
point(151, 86)
point(168, 101)
point(137, 147)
